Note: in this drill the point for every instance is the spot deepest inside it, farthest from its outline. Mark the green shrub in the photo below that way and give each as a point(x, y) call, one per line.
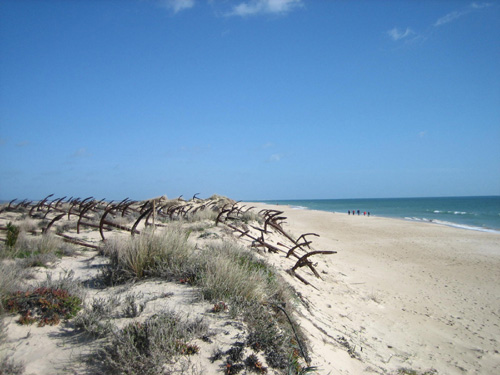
point(12, 234)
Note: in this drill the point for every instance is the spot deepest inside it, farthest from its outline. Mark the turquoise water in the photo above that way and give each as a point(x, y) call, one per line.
point(475, 213)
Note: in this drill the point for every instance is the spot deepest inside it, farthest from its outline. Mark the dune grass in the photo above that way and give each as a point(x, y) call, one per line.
point(222, 271)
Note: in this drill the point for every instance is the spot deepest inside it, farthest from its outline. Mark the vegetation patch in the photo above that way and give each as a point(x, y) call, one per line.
point(47, 306)
point(144, 348)
point(12, 234)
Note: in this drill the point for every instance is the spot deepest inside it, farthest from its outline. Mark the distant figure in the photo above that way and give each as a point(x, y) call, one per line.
point(358, 212)
point(368, 213)
point(349, 212)
point(364, 213)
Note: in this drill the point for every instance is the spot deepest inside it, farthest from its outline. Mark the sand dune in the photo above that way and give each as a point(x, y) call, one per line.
point(396, 295)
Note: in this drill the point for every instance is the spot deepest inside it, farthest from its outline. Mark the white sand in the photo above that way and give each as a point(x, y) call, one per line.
point(401, 294)
point(397, 295)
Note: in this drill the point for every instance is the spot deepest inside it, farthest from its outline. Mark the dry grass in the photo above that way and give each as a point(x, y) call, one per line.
point(144, 348)
point(149, 254)
point(40, 250)
point(223, 271)
point(11, 276)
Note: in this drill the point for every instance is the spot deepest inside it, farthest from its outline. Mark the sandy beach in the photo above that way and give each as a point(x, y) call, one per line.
point(403, 295)
point(396, 295)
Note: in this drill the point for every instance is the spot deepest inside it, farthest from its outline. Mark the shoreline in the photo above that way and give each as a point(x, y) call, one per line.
point(404, 294)
point(471, 212)
point(407, 219)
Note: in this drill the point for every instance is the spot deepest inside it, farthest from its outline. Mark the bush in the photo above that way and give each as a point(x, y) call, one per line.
point(143, 348)
point(95, 319)
point(43, 305)
point(12, 234)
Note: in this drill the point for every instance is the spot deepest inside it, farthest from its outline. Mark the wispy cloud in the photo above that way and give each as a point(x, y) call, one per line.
point(450, 17)
point(480, 5)
point(275, 158)
point(456, 14)
point(256, 7)
point(407, 34)
point(176, 6)
point(397, 34)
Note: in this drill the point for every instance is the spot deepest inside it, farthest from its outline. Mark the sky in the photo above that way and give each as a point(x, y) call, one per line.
point(251, 99)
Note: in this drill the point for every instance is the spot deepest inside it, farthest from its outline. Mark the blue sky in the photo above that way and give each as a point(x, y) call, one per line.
point(259, 99)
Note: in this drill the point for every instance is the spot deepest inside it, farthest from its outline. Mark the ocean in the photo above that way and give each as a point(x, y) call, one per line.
point(473, 213)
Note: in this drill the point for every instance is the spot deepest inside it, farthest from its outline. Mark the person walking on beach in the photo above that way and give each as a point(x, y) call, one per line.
point(364, 213)
point(348, 212)
point(358, 212)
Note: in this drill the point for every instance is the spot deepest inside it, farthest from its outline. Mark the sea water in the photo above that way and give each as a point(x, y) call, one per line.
point(474, 213)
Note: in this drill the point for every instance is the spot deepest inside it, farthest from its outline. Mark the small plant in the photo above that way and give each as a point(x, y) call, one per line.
point(187, 349)
point(253, 364)
point(9, 366)
point(219, 307)
point(12, 234)
point(131, 308)
point(232, 368)
point(95, 319)
point(47, 306)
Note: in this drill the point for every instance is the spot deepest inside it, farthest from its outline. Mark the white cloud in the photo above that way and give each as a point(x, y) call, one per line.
point(255, 7)
point(452, 16)
point(481, 5)
point(397, 34)
point(275, 157)
point(449, 17)
point(177, 5)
